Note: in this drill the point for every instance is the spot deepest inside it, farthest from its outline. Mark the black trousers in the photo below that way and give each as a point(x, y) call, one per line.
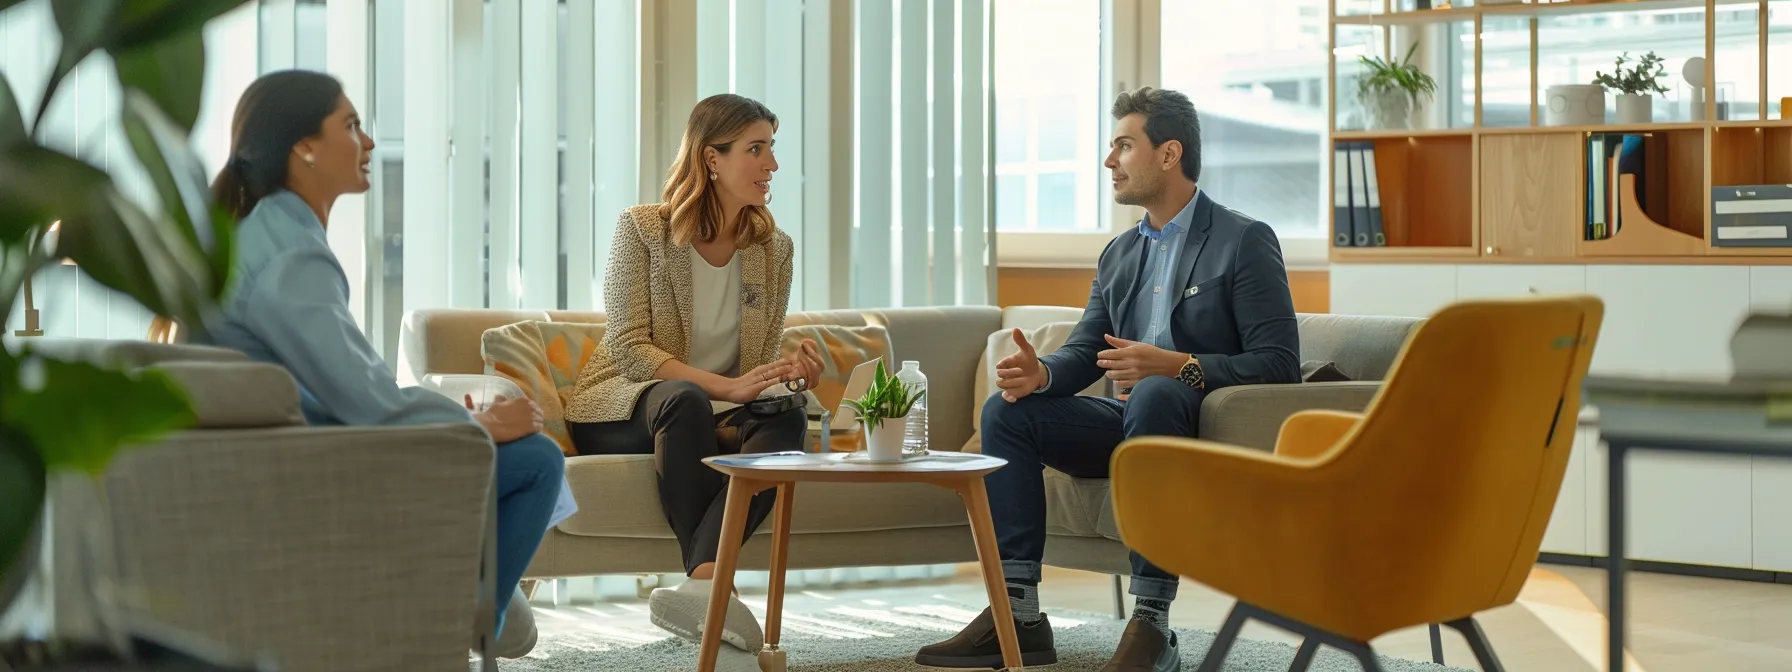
point(673, 421)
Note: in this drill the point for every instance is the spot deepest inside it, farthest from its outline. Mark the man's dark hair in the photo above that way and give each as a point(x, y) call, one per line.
point(1168, 116)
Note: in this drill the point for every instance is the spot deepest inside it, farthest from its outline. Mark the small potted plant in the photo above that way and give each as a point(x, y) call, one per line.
point(1634, 84)
point(884, 409)
point(1389, 91)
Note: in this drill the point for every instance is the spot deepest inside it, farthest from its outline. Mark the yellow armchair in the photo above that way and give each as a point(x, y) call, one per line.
point(1428, 507)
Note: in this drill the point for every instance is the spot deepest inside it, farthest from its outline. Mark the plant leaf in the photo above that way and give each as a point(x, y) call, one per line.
point(12, 122)
point(21, 498)
point(84, 25)
point(79, 414)
point(148, 258)
point(38, 186)
point(147, 22)
point(180, 181)
point(168, 72)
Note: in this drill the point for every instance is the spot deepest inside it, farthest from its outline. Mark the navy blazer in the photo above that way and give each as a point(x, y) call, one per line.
point(1234, 312)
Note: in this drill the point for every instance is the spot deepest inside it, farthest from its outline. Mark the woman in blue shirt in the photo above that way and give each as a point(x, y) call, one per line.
point(297, 145)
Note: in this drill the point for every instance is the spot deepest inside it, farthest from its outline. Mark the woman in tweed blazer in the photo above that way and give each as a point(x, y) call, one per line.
point(695, 296)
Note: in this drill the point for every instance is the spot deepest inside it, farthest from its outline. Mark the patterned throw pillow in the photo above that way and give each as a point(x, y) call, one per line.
point(543, 359)
point(842, 349)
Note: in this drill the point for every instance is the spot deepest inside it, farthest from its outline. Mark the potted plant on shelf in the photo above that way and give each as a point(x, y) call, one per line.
point(1634, 86)
point(67, 415)
point(1390, 91)
point(884, 409)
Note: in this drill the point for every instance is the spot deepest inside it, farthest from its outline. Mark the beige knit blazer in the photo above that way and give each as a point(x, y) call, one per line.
point(647, 306)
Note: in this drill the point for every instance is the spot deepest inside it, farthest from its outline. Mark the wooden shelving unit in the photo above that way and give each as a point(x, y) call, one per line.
point(1518, 194)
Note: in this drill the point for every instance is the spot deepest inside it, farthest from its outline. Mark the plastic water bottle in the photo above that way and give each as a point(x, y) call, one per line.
point(914, 440)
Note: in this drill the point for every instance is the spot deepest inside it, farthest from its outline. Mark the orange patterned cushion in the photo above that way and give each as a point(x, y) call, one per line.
point(543, 359)
point(842, 348)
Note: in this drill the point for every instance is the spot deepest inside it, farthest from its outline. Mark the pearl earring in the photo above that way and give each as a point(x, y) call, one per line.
point(310, 160)
point(712, 176)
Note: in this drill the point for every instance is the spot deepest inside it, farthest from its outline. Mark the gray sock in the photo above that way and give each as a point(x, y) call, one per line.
point(1154, 610)
point(1023, 599)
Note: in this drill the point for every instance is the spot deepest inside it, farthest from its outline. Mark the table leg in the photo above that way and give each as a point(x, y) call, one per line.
point(983, 530)
point(1614, 556)
point(774, 599)
point(734, 523)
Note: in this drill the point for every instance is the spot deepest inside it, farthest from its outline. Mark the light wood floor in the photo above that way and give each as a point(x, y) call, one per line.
point(1678, 623)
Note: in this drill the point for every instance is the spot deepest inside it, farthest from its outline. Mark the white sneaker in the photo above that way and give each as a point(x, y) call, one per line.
point(681, 611)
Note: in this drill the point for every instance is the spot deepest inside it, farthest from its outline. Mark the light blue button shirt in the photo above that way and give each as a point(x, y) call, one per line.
point(288, 305)
point(1150, 318)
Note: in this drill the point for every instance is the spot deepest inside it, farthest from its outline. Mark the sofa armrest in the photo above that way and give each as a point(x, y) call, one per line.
point(1252, 415)
point(483, 387)
point(330, 548)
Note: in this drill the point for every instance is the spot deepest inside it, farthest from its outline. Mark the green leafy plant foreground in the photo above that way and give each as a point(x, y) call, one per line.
point(887, 398)
point(73, 415)
point(1385, 76)
point(1640, 79)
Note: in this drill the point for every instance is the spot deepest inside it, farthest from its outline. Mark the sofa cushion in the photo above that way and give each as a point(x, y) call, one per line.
point(618, 496)
point(1046, 339)
point(543, 359)
point(1321, 372)
point(447, 340)
point(1363, 346)
point(1078, 507)
point(237, 395)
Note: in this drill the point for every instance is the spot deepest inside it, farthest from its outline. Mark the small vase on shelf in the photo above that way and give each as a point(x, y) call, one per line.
point(1635, 108)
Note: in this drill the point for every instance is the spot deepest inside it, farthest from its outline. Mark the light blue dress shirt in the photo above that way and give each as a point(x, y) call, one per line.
point(1150, 318)
point(288, 305)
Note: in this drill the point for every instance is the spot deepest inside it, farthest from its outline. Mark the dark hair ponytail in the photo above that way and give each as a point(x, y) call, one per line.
point(277, 111)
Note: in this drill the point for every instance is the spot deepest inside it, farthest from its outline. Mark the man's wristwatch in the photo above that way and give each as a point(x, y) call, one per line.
point(1191, 375)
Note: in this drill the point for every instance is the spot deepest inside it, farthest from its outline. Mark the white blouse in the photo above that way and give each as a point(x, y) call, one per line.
point(715, 316)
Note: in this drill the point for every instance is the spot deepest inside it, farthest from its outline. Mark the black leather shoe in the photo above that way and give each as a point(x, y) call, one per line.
point(976, 646)
point(1143, 648)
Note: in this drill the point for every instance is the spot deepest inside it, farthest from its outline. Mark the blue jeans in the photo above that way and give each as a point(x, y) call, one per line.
point(529, 473)
point(1077, 436)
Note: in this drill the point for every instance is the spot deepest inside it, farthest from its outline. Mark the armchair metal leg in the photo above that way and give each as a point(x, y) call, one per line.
point(1437, 644)
point(1304, 657)
point(1119, 600)
point(1222, 642)
point(1309, 647)
point(1477, 642)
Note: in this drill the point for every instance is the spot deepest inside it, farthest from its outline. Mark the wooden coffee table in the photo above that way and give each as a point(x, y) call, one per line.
point(750, 474)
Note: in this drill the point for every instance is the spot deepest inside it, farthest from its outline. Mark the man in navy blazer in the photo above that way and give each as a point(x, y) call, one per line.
point(1194, 299)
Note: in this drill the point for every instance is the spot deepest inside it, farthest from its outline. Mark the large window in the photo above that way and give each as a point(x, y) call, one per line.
point(1258, 80)
point(1048, 116)
point(1255, 71)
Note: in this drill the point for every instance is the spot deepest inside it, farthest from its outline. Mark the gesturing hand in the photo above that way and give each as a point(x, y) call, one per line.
point(1020, 374)
point(1131, 361)
point(807, 361)
point(509, 419)
point(748, 386)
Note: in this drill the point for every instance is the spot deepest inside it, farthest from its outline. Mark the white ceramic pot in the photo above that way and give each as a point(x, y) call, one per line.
point(1574, 105)
point(1635, 108)
point(884, 442)
point(1388, 110)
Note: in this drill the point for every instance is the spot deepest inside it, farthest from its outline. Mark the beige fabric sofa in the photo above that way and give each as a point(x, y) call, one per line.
point(323, 548)
point(620, 528)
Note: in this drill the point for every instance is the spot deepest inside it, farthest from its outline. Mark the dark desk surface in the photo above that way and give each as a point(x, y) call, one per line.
point(1731, 417)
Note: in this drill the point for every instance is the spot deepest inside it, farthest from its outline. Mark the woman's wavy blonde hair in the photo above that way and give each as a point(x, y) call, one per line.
point(692, 207)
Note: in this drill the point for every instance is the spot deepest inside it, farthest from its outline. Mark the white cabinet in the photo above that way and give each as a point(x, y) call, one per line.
point(1567, 531)
point(1660, 320)
point(1502, 280)
point(1410, 290)
point(1771, 291)
point(1668, 320)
